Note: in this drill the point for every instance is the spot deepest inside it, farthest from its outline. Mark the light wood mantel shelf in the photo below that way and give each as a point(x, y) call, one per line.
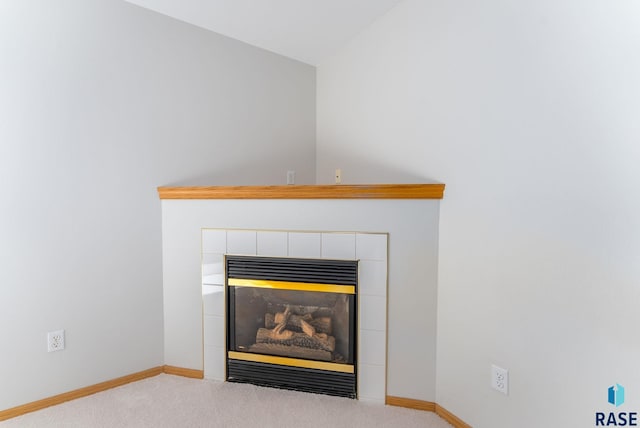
point(339, 191)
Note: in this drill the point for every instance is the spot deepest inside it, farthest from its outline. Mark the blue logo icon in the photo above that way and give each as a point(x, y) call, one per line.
point(616, 395)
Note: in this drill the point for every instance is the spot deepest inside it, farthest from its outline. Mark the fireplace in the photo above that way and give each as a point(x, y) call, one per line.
point(395, 241)
point(291, 323)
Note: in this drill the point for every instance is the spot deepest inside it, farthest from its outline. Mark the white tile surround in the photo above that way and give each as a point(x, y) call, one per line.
point(369, 248)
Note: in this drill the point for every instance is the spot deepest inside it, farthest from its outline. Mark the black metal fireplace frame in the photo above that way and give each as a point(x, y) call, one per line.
point(324, 380)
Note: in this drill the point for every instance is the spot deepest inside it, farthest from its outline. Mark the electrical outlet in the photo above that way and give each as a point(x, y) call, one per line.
point(338, 176)
point(55, 341)
point(291, 177)
point(500, 379)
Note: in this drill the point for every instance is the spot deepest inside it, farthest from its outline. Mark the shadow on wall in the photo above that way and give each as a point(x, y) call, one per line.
point(360, 170)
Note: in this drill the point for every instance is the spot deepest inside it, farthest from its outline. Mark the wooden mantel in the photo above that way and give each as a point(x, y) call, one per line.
point(338, 191)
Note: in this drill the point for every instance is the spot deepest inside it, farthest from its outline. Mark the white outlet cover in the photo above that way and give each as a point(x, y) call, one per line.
point(55, 341)
point(500, 379)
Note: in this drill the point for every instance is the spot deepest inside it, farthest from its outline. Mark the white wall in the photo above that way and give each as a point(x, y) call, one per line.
point(100, 102)
point(530, 113)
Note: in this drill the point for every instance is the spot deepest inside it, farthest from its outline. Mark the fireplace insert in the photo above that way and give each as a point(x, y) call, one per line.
point(291, 323)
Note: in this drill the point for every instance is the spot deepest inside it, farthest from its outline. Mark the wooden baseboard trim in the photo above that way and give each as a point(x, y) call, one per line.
point(410, 403)
point(429, 407)
point(99, 387)
point(78, 393)
point(179, 371)
point(451, 418)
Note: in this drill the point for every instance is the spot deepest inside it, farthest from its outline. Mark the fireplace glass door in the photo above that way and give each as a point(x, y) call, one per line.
point(311, 325)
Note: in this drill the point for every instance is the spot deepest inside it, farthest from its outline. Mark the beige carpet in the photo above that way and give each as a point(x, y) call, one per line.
point(173, 401)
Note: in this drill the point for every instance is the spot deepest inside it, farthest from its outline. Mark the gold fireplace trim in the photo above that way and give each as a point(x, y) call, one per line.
point(292, 362)
point(299, 286)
